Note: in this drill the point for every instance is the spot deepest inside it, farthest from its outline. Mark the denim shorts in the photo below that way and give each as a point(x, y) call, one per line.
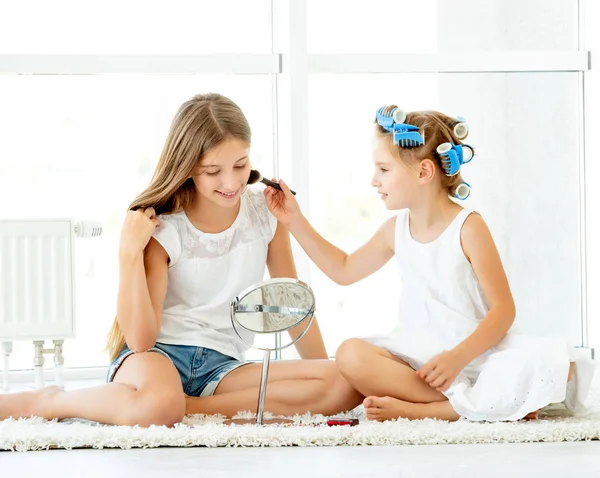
point(201, 369)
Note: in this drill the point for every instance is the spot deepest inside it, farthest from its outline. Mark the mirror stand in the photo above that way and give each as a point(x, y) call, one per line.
point(273, 306)
point(260, 420)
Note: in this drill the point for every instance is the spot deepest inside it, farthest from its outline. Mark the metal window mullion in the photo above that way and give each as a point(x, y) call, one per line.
point(275, 120)
point(290, 116)
point(582, 182)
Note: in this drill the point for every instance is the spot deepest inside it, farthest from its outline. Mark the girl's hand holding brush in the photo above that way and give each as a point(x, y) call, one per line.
point(283, 205)
point(256, 177)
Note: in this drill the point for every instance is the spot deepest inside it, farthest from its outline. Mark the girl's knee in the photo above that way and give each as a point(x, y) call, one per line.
point(350, 356)
point(158, 407)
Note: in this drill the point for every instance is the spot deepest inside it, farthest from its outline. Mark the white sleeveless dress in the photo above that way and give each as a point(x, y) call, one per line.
point(443, 303)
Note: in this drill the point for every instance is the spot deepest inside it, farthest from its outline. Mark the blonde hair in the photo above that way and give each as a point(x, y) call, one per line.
point(435, 128)
point(201, 123)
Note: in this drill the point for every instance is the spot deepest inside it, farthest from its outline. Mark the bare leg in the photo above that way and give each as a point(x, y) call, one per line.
point(293, 387)
point(368, 369)
point(387, 408)
point(147, 390)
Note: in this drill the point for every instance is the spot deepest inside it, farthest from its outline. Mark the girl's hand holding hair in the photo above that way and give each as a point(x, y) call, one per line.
point(136, 232)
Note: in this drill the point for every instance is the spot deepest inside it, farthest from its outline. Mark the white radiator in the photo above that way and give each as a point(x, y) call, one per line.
point(37, 287)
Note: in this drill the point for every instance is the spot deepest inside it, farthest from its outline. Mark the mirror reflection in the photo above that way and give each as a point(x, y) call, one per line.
point(274, 307)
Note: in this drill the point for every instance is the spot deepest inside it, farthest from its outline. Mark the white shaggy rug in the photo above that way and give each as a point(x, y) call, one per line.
point(554, 425)
point(209, 431)
point(198, 430)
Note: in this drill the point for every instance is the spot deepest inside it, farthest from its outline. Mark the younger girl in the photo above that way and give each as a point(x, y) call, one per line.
point(190, 243)
point(454, 356)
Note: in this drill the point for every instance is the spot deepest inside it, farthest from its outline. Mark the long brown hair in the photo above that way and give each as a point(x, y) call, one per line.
point(436, 128)
point(200, 124)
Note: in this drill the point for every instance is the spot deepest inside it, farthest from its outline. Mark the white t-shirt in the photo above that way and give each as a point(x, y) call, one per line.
point(207, 272)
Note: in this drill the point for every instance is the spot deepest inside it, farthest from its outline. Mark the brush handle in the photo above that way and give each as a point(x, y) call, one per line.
point(275, 185)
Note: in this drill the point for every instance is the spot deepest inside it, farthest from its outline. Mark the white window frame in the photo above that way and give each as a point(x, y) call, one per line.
point(290, 65)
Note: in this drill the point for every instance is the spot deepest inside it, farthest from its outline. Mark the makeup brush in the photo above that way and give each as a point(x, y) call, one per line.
point(256, 177)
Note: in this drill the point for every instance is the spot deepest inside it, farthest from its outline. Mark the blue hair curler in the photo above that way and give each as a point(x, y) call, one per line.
point(453, 156)
point(463, 191)
point(405, 135)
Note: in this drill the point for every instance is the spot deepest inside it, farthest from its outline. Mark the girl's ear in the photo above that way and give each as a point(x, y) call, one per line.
point(426, 170)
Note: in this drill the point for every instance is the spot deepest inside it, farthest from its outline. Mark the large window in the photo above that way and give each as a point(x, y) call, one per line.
point(515, 178)
point(344, 206)
point(527, 179)
point(379, 26)
point(84, 147)
point(84, 142)
point(135, 26)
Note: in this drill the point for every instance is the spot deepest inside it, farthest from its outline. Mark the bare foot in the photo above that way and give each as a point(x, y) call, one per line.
point(532, 416)
point(28, 404)
point(388, 408)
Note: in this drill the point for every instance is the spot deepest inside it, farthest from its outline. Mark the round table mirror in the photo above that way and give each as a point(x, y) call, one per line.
point(271, 307)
